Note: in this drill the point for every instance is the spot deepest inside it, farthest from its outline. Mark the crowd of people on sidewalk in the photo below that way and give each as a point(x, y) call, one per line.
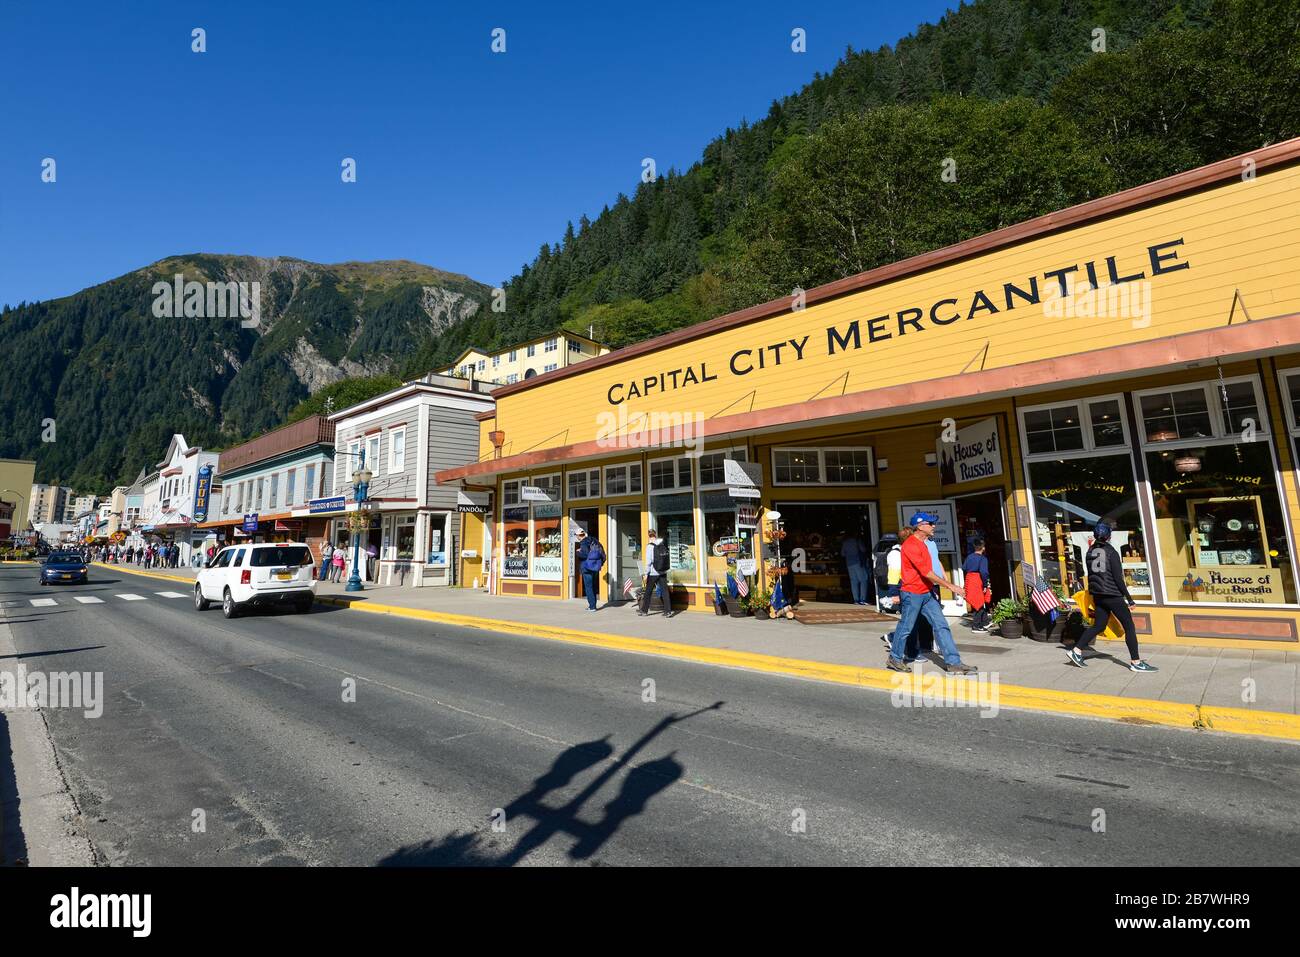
point(152, 555)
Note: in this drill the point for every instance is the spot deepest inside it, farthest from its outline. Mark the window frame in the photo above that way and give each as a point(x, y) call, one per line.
point(647, 480)
point(588, 472)
point(739, 454)
point(1086, 426)
point(626, 469)
point(820, 451)
point(396, 464)
point(1214, 403)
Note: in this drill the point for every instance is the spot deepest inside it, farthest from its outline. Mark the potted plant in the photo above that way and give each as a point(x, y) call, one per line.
point(1007, 616)
point(1042, 627)
point(760, 603)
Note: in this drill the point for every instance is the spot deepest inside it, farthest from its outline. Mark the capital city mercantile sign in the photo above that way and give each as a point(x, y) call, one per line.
point(1160, 258)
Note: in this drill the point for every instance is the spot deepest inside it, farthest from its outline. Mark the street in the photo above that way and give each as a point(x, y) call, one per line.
point(468, 747)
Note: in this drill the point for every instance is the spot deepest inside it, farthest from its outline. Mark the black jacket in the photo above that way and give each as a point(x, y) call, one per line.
point(1104, 571)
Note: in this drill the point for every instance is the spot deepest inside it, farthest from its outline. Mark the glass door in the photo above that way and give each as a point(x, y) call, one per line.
point(624, 548)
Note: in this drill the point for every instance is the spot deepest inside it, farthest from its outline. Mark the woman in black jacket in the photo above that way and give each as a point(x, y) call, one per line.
point(1111, 597)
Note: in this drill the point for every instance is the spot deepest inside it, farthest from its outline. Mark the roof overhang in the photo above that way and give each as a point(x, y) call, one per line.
point(1245, 340)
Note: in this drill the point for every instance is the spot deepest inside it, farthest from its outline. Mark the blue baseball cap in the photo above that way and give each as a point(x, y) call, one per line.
point(1101, 532)
point(920, 517)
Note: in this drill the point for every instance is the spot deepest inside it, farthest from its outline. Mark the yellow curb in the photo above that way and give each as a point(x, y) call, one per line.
point(137, 571)
point(1112, 707)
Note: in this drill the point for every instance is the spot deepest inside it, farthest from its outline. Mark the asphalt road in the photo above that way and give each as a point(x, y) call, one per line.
point(452, 729)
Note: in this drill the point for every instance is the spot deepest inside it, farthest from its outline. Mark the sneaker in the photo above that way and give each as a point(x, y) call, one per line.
point(960, 668)
point(1076, 659)
point(894, 664)
point(888, 639)
point(1141, 666)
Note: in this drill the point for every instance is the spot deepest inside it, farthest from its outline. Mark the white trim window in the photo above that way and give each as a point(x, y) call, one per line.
point(1060, 429)
point(510, 492)
point(669, 474)
point(552, 345)
point(1289, 384)
point(1195, 412)
point(584, 483)
point(623, 479)
point(397, 450)
point(838, 465)
point(372, 453)
point(550, 367)
point(711, 467)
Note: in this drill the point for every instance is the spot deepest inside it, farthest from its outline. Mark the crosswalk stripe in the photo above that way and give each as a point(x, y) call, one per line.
point(132, 597)
point(89, 599)
point(170, 594)
point(43, 602)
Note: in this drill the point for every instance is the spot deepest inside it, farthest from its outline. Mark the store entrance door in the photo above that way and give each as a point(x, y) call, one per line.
point(587, 520)
point(817, 530)
point(624, 547)
point(982, 515)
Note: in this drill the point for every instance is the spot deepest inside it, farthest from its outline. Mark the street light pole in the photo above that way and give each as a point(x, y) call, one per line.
point(360, 481)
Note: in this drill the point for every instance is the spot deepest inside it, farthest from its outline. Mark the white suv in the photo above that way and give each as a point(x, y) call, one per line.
point(267, 574)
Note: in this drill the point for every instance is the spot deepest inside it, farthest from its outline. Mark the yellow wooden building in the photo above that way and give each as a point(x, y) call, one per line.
point(1134, 359)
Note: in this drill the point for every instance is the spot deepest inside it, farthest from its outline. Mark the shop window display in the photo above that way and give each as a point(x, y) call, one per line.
point(548, 543)
point(514, 542)
point(1070, 497)
point(726, 542)
point(1219, 524)
point(405, 537)
point(673, 517)
point(819, 528)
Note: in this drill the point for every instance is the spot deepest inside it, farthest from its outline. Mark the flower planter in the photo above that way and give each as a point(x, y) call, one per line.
point(763, 614)
point(734, 608)
point(1011, 628)
point(1040, 627)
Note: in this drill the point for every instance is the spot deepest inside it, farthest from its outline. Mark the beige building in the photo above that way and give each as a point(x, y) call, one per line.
point(15, 475)
point(48, 503)
point(525, 359)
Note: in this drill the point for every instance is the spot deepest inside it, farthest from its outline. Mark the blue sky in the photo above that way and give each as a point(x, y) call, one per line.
point(466, 160)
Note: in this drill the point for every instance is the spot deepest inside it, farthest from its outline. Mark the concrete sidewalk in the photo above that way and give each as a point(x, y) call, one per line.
point(1204, 677)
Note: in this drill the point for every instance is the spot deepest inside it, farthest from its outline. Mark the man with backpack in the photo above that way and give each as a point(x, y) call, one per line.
point(656, 576)
point(591, 559)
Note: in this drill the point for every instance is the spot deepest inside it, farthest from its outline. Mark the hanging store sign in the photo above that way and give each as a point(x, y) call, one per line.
point(334, 504)
point(250, 522)
point(975, 453)
point(533, 493)
point(473, 502)
point(202, 489)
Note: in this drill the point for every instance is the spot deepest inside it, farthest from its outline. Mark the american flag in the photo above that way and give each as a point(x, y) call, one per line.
point(627, 588)
point(742, 586)
point(1043, 597)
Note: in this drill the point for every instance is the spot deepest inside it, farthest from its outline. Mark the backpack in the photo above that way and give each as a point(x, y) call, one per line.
point(661, 558)
point(595, 559)
point(881, 568)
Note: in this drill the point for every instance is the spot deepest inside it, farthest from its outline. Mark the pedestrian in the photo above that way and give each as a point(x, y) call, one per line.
point(918, 601)
point(978, 596)
point(1110, 596)
point(591, 559)
point(854, 552)
point(326, 553)
point(337, 561)
point(656, 576)
point(372, 561)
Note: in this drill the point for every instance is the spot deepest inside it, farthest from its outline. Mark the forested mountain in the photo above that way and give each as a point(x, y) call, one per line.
point(1039, 104)
point(844, 175)
point(117, 379)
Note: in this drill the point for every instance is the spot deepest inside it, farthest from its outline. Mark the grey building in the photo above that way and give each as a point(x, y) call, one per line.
point(407, 435)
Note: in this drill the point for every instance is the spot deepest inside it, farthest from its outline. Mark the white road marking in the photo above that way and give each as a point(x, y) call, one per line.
point(132, 597)
point(171, 594)
point(89, 599)
point(43, 602)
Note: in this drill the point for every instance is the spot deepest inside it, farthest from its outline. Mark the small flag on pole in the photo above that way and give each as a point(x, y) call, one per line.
point(627, 588)
point(742, 586)
point(732, 589)
point(778, 597)
point(1043, 597)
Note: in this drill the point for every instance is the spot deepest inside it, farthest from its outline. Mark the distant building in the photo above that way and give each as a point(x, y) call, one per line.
point(15, 474)
point(525, 359)
point(49, 503)
point(178, 496)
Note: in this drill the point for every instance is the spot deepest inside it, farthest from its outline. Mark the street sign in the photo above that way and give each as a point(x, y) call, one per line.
point(735, 472)
point(250, 522)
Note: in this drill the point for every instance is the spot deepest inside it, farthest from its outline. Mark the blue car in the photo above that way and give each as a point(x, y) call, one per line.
point(64, 568)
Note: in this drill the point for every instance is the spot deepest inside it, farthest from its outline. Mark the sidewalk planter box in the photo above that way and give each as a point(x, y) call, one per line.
point(1011, 628)
point(734, 608)
point(762, 614)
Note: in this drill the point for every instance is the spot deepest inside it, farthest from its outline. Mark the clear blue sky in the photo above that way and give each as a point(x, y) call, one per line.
point(467, 160)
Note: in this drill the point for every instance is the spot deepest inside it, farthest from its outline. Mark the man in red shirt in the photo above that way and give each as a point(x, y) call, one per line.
point(919, 576)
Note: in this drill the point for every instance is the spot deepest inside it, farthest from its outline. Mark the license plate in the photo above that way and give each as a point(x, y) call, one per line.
point(284, 576)
point(67, 576)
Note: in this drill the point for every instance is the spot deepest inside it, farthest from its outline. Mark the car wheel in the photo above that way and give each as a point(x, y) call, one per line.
point(200, 603)
point(228, 606)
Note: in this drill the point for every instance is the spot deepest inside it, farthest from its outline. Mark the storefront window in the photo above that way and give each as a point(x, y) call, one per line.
point(673, 517)
point(548, 545)
point(819, 529)
point(623, 479)
point(514, 542)
point(438, 541)
point(795, 467)
point(1070, 497)
point(584, 483)
point(724, 542)
point(712, 469)
point(405, 537)
point(1219, 524)
point(1178, 414)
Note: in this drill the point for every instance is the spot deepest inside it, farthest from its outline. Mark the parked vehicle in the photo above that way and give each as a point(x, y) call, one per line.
point(240, 576)
point(64, 568)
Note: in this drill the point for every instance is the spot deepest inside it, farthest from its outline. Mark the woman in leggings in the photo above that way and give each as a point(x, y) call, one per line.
point(1111, 597)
